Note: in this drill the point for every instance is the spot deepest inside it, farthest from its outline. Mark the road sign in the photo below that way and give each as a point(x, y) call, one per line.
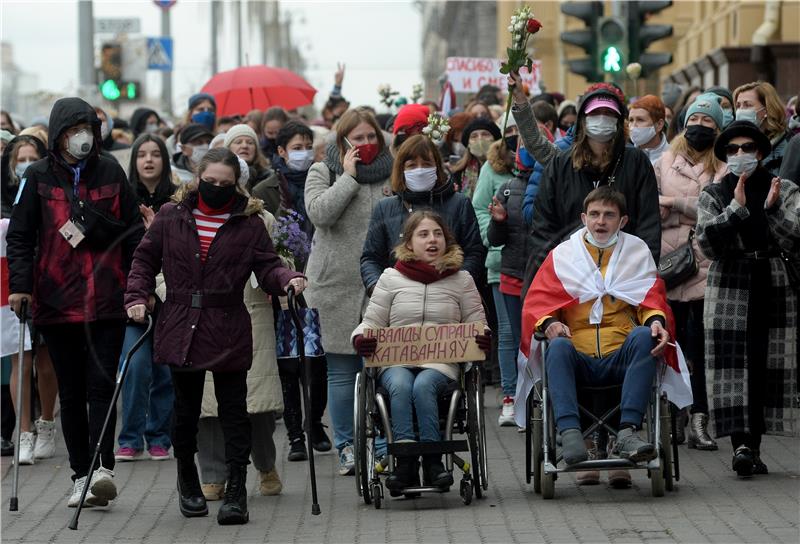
point(117, 25)
point(159, 54)
point(165, 4)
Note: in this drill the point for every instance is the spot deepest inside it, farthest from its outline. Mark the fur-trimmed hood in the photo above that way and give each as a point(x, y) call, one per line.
point(453, 258)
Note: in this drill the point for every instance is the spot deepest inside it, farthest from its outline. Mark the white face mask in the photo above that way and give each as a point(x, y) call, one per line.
point(421, 180)
point(80, 144)
point(19, 169)
point(641, 135)
point(198, 152)
point(742, 164)
point(151, 128)
point(611, 241)
point(601, 127)
point(300, 160)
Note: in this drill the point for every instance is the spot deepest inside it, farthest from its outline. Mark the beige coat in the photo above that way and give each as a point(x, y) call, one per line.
point(264, 393)
point(400, 301)
point(684, 181)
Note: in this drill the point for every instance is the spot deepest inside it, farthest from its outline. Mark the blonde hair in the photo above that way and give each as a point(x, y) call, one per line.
point(775, 122)
point(499, 157)
point(680, 146)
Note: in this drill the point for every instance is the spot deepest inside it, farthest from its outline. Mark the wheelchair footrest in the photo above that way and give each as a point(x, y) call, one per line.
point(600, 464)
point(410, 449)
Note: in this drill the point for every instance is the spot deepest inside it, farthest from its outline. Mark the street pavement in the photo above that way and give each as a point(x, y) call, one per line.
point(710, 504)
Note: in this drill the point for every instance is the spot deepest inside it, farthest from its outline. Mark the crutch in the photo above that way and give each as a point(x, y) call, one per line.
point(23, 311)
point(305, 380)
point(117, 388)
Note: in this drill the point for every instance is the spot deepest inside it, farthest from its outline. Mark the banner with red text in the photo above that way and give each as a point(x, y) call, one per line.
point(468, 74)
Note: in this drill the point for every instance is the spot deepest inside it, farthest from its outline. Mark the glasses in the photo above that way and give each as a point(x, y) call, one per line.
point(748, 147)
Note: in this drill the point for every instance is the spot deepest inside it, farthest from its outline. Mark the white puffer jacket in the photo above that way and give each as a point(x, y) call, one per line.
point(400, 301)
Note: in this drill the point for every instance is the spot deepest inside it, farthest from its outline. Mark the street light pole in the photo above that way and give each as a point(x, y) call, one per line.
point(166, 75)
point(214, 45)
point(87, 76)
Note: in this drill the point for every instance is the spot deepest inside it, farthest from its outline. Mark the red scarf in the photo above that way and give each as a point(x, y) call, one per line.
point(422, 272)
point(208, 210)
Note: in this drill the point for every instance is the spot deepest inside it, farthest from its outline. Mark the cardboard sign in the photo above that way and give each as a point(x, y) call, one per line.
point(416, 345)
point(468, 74)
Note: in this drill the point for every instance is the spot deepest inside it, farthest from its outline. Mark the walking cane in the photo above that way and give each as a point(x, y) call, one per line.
point(23, 310)
point(305, 380)
point(117, 388)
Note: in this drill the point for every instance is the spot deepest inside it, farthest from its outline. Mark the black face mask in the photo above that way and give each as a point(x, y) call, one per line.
point(511, 143)
point(699, 137)
point(215, 196)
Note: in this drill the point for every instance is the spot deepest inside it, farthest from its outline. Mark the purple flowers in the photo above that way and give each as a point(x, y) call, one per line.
point(289, 238)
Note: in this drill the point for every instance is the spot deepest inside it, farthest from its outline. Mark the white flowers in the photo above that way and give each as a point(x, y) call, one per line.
point(437, 128)
point(634, 70)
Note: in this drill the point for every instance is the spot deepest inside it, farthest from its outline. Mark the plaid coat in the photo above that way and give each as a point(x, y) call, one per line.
point(726, 312)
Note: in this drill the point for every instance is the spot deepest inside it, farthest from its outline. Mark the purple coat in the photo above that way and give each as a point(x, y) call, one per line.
point(211, 331)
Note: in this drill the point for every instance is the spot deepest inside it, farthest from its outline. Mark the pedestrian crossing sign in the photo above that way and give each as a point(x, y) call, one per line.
point(159, 54)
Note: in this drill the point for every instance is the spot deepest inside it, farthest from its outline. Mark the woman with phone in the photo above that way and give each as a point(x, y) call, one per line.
point(340, 194)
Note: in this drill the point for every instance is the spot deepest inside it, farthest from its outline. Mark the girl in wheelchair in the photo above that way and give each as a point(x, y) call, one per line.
point(425, 287)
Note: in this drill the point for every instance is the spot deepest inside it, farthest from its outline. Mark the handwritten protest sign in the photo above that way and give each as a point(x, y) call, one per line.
point(416, 345)
point(468, 74)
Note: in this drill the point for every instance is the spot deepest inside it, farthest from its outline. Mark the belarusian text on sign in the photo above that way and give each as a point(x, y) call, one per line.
point(416, 345)
point(468, 74)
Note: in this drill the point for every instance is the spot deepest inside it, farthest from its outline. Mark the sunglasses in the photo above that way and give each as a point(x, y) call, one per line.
point(748, 147)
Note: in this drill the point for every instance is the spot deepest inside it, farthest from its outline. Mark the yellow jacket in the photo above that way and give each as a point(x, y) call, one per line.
point(619, 317)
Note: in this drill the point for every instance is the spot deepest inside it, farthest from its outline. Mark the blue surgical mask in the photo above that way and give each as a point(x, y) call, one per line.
point(748, 115)
point(727, 117)
point(206, 118)
point(743, 164)
point(300, 160)
point(19, 169)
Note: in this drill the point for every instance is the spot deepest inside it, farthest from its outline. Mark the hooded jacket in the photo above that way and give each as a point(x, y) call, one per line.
point(85, 283)
point(10, 183)
point(559, 202)
point(139, 120)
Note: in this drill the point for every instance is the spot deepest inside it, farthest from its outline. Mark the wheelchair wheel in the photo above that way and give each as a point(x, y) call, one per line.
point(475, 432)
point(548, 482)
point(364, 445)
point(666, 446)
point(529, 438)
point(537, 446)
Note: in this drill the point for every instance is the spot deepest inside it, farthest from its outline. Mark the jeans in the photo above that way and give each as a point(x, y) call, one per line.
point(631, 365)
point(418, 388)
point(507, 344)
point(146, 385)
point(293, 398)
point(690, 335)
point(514, 310)
point(211, 451)
point(342, 370)
point(85, 357)
point(231, 392)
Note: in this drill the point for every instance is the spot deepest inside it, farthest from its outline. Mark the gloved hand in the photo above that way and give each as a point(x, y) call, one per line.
point(484, 341)
point(365, 347)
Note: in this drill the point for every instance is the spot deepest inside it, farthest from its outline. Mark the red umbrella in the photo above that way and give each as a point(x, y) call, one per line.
point(258, 87)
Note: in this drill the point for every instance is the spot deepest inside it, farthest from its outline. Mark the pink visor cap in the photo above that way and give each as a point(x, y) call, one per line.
point(602, 102)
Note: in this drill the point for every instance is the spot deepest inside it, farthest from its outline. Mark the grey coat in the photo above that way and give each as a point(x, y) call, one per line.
point(340, 213)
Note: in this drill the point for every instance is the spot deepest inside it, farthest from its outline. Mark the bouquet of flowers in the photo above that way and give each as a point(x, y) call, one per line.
point(416, 93)
point(437, 128)
point(523, 26)
point(290, 240)
point(387, 94)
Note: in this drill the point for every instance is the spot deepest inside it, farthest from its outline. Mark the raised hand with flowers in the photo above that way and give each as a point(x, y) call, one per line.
point(523, 26)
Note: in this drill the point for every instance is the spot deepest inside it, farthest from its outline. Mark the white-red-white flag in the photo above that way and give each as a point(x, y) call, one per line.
point(9, 323)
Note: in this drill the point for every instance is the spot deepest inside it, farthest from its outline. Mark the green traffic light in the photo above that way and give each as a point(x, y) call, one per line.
point(131, 94)
point(110, 90)
point(612, 60)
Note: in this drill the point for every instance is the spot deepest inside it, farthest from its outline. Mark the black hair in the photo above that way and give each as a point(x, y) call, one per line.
point(290, 130)
point(165, 187)
point(545, 113)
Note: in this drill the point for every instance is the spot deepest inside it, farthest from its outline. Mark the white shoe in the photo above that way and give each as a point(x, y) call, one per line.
point(45, 439)
point(102, 487)
point(506, 418)
point(75, 498)
point(26, 447)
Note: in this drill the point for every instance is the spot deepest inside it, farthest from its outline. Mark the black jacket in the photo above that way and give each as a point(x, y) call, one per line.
point(71, 285)
point(386, 228)
point(512, 233)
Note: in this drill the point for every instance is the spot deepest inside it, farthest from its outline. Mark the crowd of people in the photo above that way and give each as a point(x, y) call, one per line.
point(109, 220)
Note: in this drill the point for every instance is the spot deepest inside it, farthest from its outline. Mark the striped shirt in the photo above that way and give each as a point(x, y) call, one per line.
point(207, 226)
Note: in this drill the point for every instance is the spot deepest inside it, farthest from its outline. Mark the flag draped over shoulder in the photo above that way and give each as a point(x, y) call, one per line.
point(569, 276)
point(9, 324)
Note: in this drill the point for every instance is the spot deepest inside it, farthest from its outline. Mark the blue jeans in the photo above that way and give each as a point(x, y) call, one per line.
point(507, 344)
point(631, 365)
point(342, 370)
point(419, 388)
point(147, 396)
point(514, 310)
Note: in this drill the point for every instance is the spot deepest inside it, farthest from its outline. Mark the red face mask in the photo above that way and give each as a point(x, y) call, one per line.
point(367, 153)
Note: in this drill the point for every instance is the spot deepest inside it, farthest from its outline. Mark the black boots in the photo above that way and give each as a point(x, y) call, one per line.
point(190, 496)
point(234, 506)
point(434, 473)
point(406, 474)
point(743, 461)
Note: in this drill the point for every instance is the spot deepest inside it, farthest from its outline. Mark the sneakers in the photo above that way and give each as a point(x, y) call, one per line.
point(619, 479)
point(6, 448)
point(213, 492)
point(743, 461)
point(347, 462)
point(157, 453)
point(573, 448)
point(506, 418)
point(297, 450)
point(45, 439)
point(632, 447)
point(319, 438)
point(270, 483)
point(128, 454)
point(102, 487)
point(26, 447)
point(77, 489)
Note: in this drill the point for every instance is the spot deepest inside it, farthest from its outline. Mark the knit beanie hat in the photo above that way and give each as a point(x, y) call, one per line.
point(707, 104)
point(653, 105)
point(480, 123)
point(194, 131)
point(721, 91)
point(411, 116)
point(199, 97)
point(239, 130)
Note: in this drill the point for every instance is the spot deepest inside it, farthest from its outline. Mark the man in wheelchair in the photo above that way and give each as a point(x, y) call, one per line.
point(599, 302)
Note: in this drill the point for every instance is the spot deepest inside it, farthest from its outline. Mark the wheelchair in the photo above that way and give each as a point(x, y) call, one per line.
point(460, 412)
point(544, 463)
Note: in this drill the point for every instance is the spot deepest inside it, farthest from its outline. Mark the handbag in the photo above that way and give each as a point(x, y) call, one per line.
point(679, 265)
point(286, 334)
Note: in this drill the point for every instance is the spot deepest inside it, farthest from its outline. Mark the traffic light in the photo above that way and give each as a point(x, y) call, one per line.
point(586, 39)
point(641, 35)
point(112, 85)
point(612, 45)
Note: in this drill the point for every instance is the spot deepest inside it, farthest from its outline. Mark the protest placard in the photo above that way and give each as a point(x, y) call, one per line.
point(468, 74)
point(416, 345)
